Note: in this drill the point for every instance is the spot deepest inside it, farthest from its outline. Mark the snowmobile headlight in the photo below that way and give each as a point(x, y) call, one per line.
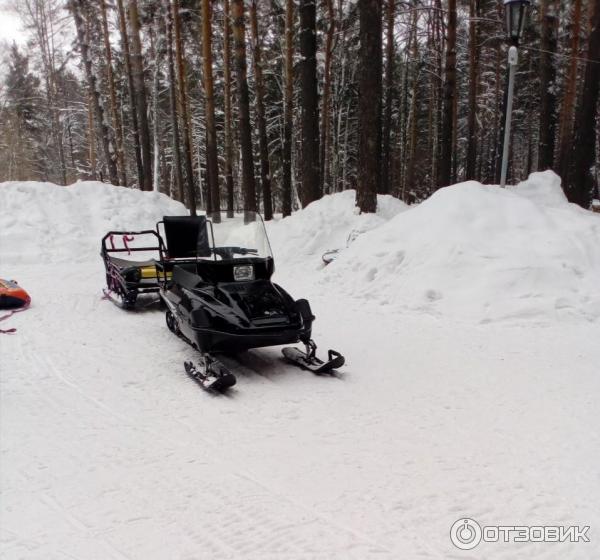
point(243, 272)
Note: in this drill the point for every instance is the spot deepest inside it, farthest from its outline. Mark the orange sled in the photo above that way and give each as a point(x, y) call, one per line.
point(12, 295)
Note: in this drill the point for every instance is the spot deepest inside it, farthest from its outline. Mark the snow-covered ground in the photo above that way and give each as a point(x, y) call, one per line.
point(470, 325)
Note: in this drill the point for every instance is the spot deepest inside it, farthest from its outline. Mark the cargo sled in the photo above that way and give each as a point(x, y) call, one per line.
point(130, 260)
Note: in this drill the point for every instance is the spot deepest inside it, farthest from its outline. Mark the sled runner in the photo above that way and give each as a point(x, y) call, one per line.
point(220, 298)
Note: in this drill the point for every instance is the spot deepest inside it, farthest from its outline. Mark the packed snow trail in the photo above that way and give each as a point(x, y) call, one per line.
point(109, 451)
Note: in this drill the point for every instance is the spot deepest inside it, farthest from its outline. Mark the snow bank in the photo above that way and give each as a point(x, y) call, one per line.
point(43, 222)
point(542, 188)
point(326, 224)
point(481, 253)
point(470, 251)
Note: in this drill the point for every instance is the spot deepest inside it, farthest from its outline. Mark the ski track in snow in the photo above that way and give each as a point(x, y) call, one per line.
point(111, 452)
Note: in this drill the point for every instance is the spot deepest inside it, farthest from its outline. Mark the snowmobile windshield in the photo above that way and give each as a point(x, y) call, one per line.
point(240, 237)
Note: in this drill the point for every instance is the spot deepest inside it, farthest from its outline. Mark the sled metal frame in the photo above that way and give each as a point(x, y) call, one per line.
point(116, 279)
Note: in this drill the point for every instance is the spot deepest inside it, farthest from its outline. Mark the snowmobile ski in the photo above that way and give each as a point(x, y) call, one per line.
point(307, 360)
point(124, 302)
point(211, 375)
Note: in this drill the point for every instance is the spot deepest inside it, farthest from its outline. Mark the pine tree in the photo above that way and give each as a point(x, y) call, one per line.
point(446, 139)
point(569, 97)
point(389, 96)
point(325, 140)
point(309, 103)
point(20, 126)
point(114, 113)
point(547, 125)
point(211, 131)
point(183, 110)
point(288, 100)
point(137, 70)
point(470, 172)
point(179, 193)
point(579, 180)
point(265, 168)
point(77, 8)
point(239, 44)
point(227, 105)
point(369, 106)
point(131, 91)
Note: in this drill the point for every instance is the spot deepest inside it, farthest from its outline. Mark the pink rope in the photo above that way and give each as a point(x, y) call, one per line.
point(127, 238)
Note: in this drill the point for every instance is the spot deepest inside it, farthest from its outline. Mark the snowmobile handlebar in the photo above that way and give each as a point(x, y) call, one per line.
point(228, 252)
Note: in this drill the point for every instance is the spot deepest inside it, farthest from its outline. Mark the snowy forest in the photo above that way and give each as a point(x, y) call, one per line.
point(269, 104)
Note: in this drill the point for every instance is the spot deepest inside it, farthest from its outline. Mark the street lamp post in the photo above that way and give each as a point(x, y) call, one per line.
point(516, 11)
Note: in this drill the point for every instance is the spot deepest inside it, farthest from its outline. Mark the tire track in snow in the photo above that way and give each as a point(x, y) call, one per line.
point(38, 362)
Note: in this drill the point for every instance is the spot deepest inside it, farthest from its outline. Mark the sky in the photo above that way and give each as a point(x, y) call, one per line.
point(10, 26)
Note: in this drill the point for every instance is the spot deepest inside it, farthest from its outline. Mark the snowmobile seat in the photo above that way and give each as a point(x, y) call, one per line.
point(185, 278)
point(186, 237)
point(124, 263)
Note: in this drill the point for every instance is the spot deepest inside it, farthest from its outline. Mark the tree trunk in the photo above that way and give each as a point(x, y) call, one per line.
point(309, 103)
point(547, 126)
point(91, 137)
point(568, 104)
point(325, 124)
point(211, 129)
point(43, 18)
point(183, 110)
point(114, 113)
point(227, 94)
point(445, 168)
point(245, 134)
point(180, 195)
point(389, 96)
point(411, 120)
point(288, 104)
point(580, 186)
point(76, 8)
point(265, 170)
point(471, 162)
point(155, 49)
point(439, 93)
point(132, 96)
point(369, 105)
point(140, 95)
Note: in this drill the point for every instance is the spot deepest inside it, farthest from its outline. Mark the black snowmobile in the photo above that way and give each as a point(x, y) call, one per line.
point(216, 285)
